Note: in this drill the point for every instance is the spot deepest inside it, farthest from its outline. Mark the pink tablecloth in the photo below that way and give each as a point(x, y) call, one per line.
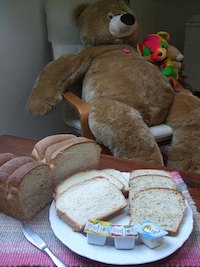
point(16, 251)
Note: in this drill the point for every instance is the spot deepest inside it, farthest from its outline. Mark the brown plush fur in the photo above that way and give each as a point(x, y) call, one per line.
point(125, 92)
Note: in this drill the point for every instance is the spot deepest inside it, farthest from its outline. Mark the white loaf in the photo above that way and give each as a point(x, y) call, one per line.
point(94, 198)
point(165, 207)
point(85, 175)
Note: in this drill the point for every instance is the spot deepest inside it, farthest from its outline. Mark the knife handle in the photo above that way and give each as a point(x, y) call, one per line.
point(54, 258)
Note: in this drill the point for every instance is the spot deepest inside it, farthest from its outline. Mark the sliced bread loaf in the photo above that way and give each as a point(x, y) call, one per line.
point(42, 145)
point(85, 175)
point(149, 181)
point(28, 190)
point(73, 157)
point(164, 207)
point(68, 156)
point(24, 187)
point(94, 198)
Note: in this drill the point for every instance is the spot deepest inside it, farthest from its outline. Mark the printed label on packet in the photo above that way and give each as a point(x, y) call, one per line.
point(150, 230)
point(94, 226)
point(123, 231)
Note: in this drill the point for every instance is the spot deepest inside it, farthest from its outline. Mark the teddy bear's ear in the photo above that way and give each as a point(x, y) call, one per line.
point(164, 35)
point(78, 11)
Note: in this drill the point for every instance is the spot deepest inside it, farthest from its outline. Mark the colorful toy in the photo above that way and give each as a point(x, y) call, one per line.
point(154, 49)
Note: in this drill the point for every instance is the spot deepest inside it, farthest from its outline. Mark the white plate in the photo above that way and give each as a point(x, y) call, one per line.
point(77, 242)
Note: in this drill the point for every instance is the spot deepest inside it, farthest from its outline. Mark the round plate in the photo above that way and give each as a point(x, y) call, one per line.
point(141, 254)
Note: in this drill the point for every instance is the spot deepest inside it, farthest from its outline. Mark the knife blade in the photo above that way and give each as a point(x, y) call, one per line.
point(38, 242)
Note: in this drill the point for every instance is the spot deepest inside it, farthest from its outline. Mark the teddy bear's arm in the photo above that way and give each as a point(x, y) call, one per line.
point(58, 76)
point(54, 79)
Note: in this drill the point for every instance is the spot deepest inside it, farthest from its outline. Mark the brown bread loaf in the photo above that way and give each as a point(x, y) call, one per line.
point(24, 187)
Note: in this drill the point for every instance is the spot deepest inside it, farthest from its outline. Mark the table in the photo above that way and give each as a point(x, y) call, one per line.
point(16, 251)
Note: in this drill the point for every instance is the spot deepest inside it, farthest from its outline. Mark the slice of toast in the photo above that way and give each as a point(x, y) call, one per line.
point(165, 207)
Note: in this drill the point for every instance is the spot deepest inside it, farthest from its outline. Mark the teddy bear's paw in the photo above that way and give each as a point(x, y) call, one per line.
point(40, 107)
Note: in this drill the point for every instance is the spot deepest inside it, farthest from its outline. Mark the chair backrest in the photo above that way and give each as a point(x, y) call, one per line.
point(63, 33)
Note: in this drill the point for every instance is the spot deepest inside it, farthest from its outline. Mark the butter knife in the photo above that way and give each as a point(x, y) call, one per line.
point(37, 241)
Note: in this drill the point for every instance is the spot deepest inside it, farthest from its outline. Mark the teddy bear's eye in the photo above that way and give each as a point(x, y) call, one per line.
point(110, 15)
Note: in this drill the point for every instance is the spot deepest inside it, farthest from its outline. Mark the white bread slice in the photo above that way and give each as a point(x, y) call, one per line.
point(41, 146)
point(94, 198)
point(141, 172)
point(74, 156)
point(149, 181)
point(165, 207)
point(85, 175)
point(121, 178)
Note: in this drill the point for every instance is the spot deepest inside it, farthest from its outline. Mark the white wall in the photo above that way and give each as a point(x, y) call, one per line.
point(172, 16)
point(23, 52)
point(165, 15)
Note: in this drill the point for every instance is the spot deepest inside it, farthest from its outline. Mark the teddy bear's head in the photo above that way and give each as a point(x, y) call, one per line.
point(154, 47)
point(106, 22)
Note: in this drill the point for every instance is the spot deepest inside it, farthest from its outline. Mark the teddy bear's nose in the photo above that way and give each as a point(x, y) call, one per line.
point(160, 54)
point(128, 19)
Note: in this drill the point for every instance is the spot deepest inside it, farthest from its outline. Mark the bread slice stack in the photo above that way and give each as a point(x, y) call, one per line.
point(67, 154)
point(153, 196)
point(24, 186)
point(96, 197)
point(151, 178)
point(112, 175)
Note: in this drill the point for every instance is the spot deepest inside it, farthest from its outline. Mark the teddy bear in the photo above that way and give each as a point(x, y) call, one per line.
point(154, 49)
point(126, 93)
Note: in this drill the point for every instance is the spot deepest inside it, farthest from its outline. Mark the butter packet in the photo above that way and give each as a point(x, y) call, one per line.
point(97, 231)
point(150, 234)
point(124, 236)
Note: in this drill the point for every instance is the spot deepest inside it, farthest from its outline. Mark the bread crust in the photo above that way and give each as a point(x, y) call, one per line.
point(4, 157)
point(54, 150)
point(41, 146)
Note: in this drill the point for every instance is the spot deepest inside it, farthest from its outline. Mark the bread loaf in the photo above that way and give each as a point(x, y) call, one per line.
point(41, 146)
point(69, 156)
point(93, 198)
point(165, 207)
point(24, 187)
